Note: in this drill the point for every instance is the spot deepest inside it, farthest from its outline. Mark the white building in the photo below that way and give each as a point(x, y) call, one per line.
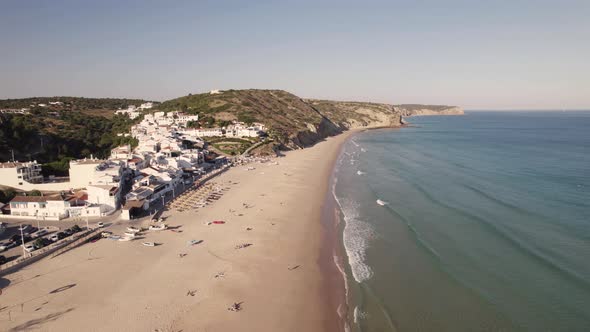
point(146, 106)
point(107, 195)
point(20, 175)
point(203, 132)
point(131, 112)
point(54, 207)
point(84, 172)
point(121, 152)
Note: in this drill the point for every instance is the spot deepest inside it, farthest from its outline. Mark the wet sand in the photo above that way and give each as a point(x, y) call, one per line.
point(279, 281)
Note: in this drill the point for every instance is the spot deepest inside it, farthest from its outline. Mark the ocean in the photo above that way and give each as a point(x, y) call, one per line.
point(485, 223)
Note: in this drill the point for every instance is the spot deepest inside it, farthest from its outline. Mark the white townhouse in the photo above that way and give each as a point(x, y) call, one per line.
point(54, 207)
point(20, 174)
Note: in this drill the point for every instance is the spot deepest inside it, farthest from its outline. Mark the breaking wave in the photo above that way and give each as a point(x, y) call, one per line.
point(356, 238)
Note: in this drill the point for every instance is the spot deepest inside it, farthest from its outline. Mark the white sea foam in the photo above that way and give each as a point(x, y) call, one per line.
point(356, 238)
point(360, 172)
point(358, 314)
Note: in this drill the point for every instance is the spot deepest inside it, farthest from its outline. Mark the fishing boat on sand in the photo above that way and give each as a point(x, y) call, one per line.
point(157, 227)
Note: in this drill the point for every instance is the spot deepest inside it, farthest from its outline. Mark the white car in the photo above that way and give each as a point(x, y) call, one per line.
point(29, 248)
point(100, 224)
point(54, 238)
point(39, 233)
point(3, 246)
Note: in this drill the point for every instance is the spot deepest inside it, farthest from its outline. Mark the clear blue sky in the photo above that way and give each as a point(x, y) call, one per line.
point(477, 54)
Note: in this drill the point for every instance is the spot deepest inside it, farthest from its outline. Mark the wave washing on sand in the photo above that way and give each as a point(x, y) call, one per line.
point(358, 314)
point(357, 234)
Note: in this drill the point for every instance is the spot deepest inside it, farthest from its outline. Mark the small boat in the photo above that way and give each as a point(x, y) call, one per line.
point(132, 229)
point(129, 234)
point(360, 173)
point(382, 203)
point(218, 222)
point(125, 238)
point(158, 227)
point(114, 237)
point(106, 234)
point(149, 244)
point(193, 242)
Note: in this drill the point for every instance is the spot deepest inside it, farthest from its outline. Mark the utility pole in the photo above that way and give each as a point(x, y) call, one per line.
point(12, 155)
point(22, 238)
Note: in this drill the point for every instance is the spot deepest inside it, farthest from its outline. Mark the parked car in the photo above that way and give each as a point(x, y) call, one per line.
point(24, 228)
point(75, 229)
point(39, 233)
point(3, 259)
point(100, 224)
point(54, 238)
point(41, 242)
point(30, 248)
point(61, 235)
point(68, 232)
point(3, 246)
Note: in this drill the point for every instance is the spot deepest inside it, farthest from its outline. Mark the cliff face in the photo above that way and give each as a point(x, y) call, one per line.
point(291, 121)
point(419, 110)
point(354, 115)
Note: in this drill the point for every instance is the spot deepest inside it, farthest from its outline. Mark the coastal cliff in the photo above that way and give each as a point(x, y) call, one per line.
point(420, 110)
point(355, 115)
point(294, 122)
point(291, 122)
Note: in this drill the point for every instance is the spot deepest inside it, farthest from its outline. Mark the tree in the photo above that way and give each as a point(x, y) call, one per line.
point(34, 192)
point(7, 195)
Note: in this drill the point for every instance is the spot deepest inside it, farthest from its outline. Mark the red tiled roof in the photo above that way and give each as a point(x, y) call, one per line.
point(35, 198)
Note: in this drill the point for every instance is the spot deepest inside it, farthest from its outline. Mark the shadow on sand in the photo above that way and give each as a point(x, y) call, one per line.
point(36, 323)
point(4, 283)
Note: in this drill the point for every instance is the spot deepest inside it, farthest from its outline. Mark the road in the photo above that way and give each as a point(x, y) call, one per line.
point(12, 226)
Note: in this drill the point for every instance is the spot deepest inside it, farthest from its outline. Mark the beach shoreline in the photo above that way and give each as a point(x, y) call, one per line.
point(276, 207)
point(331, 256)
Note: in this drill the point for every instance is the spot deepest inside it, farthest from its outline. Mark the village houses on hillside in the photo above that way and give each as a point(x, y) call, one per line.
point(168, 154)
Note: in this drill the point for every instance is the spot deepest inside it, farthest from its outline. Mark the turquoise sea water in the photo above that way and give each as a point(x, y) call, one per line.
point(486, 226)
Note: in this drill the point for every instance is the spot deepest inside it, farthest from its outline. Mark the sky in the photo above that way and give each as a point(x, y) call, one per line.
point(530, 54)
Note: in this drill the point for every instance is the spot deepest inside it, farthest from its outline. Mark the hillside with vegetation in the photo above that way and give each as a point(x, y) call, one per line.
point(419, 109)
point(80, 127)
point(55, 134)
point(294, 122)
point(69, 104)
point(290, 120)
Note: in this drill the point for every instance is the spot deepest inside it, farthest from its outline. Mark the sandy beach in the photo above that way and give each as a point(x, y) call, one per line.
point(125, 286)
